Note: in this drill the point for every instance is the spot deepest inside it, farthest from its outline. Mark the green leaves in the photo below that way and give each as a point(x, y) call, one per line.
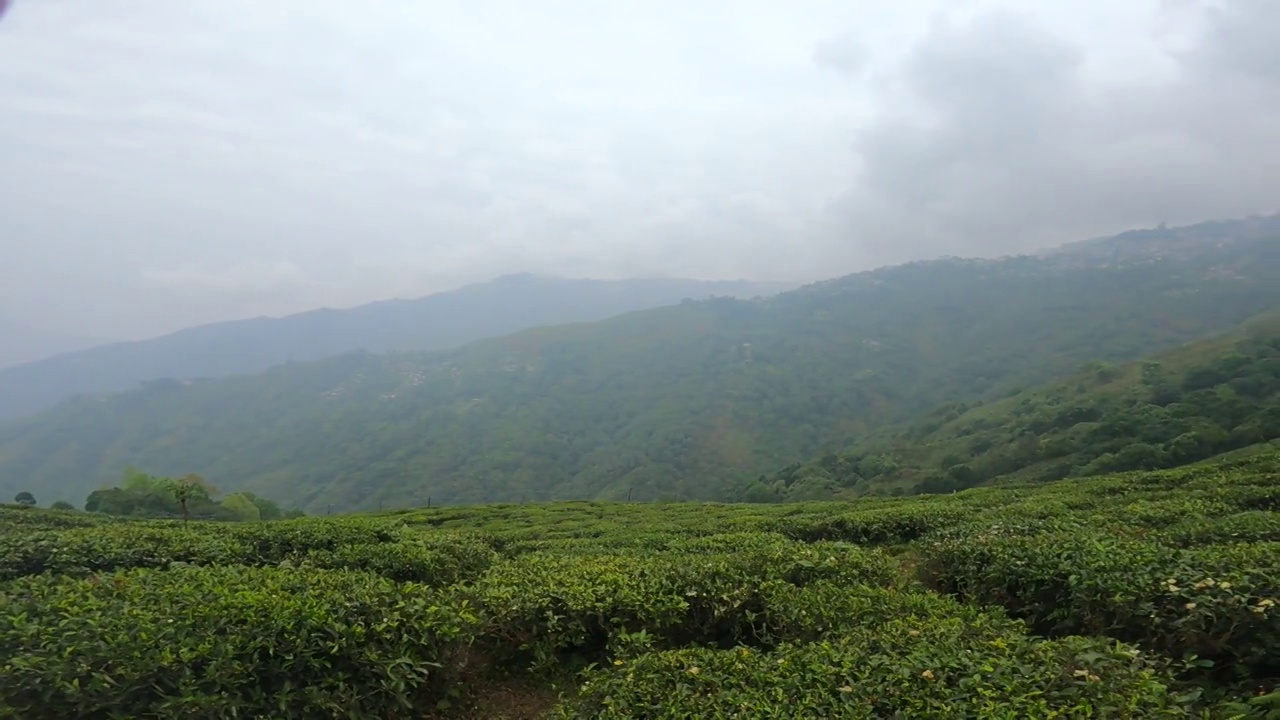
point(931, 607)
point(225, 642)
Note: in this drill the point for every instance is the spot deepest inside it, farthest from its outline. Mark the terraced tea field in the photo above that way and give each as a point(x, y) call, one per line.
point(1142, 595)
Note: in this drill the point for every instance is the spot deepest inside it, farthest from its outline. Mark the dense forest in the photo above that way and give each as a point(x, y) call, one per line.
point(693, 401)
point(1201, 400)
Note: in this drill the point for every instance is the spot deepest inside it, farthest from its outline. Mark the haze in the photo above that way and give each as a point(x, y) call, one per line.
point(164, 164)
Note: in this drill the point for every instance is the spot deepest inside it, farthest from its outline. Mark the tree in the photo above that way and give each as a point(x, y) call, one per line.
point(242, 507)
point(189, 489)
point(25, 498)
point(62, 505)
point(111, 501)
point(267, 509)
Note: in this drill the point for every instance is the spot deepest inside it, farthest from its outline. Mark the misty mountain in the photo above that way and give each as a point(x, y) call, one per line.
point(435, 322)
point(1164, 241)
point(691, 401)
point(22, 344)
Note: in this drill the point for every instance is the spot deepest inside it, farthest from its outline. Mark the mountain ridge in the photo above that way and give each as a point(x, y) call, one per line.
point(689, 400)
point(506, 304)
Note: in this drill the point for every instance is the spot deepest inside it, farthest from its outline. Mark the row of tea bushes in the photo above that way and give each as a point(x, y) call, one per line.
point(379, 546)
point(894, 669)
point(21, 519)
point(1217, 602)
point(238, 641)
point(299, 643)
point(544, 607)
point(228, 642)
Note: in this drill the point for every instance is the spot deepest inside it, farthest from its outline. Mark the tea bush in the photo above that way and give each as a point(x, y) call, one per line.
point(228, 642)
point(275, 541)
point(898, 669)
point(677, 610)
point(1255, 526)
point(20, 520)
point(434, 559)
point(1215, 602)
point(881, 526)
point(125, 545)
point(542, 607)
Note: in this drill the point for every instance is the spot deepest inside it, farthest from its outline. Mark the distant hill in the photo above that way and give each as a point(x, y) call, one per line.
point(1198, 401)
point(435, 322)
point(690, 401)
point(20, 343)
point(1167, 242)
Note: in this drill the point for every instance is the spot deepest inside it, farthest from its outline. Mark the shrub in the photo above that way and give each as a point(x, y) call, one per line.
point(880, 526)
point(898, 669)
point(544, 607)
point(434, 560)
point(275, 541)
point(1217, 602)
point(23, 520)
point(1242, 527)
point(437, 559)
point(119, 546)
point(227, 642)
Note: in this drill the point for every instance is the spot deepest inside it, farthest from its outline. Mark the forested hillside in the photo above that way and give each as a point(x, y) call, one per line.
point(1206, 398)
point(435, 322)
point(689, 401)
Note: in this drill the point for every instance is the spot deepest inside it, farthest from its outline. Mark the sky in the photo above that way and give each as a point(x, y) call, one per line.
point(165, 164)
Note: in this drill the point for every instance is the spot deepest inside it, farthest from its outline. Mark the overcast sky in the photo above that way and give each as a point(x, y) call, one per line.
point(169, 163)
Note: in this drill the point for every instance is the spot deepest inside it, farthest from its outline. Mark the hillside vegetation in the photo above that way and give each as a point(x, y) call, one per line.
point(1144, 595)
point(690, 401)
point(435, 322)
point(1203, 399)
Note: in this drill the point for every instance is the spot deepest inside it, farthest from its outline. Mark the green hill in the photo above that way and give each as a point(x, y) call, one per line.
point(1206, 398)
point(435, 322)
point(689, 401)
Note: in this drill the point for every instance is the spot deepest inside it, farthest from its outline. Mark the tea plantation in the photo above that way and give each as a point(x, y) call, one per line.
point(1141, 595)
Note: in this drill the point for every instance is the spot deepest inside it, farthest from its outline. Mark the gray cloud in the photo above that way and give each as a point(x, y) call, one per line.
point(1000, 142)
point(843, 53)
point(164, 163)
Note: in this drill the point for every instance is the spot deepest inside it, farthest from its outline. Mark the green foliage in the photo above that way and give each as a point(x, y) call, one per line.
point(143, 495)
point(1144, 594)
point(550, 605)
point(25, 498)
point(61, 505)
point(880, 526)
point(242, 507)
point(1218, 603)
point(1201, 400)
point(86, 550)
point(379, 547)
point(899, 669)
point(438, 559)
point(227, 642)
point(685, 402)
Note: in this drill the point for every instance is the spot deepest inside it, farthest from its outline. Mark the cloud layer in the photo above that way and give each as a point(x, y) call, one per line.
point(163, 164)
